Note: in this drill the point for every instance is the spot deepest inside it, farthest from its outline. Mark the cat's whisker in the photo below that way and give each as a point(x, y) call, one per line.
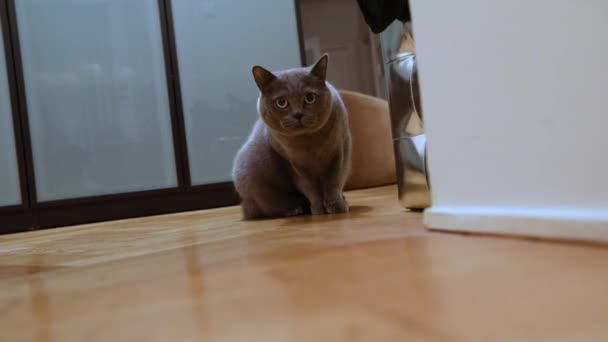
point(290, 123)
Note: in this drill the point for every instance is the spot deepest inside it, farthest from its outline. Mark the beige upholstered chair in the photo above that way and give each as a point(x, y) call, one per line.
point(373, 156)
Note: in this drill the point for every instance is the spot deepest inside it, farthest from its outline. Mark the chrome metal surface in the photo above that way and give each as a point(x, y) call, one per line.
point(406, 118)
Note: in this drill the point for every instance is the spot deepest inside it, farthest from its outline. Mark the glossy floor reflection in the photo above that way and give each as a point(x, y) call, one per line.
point(372, 275)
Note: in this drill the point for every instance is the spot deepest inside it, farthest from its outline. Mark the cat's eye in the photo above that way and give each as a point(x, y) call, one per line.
point(310, 98)
point(281, 103)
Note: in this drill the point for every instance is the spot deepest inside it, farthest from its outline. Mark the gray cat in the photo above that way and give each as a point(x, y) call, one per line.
point(298, 155)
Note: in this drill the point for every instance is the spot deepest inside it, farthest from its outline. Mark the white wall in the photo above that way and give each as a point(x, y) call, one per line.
point(516, 110)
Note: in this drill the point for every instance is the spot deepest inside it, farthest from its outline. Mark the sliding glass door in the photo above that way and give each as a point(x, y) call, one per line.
point(127, 108)
point(97, 98)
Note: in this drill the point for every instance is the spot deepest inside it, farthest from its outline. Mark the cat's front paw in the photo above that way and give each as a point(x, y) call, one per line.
point(297, 211)
point(336, 206)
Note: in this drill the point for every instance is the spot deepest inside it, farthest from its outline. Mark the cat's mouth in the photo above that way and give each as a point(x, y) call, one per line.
point(296, 124)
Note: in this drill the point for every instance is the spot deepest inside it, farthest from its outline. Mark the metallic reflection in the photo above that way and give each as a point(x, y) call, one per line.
point(406, 118)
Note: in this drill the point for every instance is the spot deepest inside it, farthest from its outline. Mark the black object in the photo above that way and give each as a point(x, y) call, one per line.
point(379, 14)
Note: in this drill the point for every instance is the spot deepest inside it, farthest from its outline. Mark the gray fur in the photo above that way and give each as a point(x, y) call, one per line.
point(290, 166)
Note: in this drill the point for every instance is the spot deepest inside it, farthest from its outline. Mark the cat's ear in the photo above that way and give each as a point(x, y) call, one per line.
point(319, 69)
point(262, 77)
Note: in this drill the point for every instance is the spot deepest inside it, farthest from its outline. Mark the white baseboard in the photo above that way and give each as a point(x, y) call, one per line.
point(581, 224)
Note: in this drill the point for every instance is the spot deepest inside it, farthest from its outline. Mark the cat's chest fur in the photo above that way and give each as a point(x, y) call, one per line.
point(310, 155)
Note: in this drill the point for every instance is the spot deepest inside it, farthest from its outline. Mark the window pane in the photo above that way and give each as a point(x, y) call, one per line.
point(97, 97)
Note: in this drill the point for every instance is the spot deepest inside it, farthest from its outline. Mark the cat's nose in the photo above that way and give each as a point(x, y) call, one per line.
point(298, 115)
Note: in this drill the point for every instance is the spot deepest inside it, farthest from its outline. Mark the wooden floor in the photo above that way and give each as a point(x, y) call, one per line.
point(372, 275)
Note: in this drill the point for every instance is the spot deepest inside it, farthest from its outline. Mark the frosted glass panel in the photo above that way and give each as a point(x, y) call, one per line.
point(217, 44)
point(97, 97)
point(10, 192)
